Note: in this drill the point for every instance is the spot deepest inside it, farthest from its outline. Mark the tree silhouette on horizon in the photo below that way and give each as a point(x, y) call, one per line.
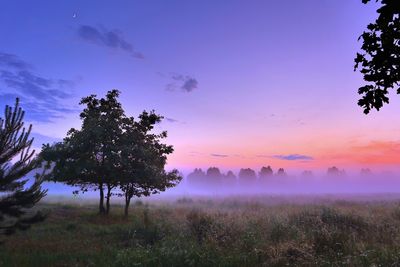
point(307, 173)
point(334, 171)
point(213, 176)
point(229, 179)
point(247, 176)
point(196, 178)
point(281, 172)
point(265, 173)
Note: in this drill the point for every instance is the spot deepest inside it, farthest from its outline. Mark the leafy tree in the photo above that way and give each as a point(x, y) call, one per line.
point(89, 157)
point(265, 173)
point(247, 176)
point(365, 172)
point(334, 171)
point(229, 179)
point(111, 150)
point(112, 120)
point(281, 172)
point(143, 159)
point(214, 176)
point(16, 161)
point(307, 173)
point(379, 62)
point(197, 177)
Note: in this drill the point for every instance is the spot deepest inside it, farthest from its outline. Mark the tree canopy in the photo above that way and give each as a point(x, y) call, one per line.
point(247, 176)
point(143, 157)
point(379, 61)
point(265, 172)
point(112, 151)
point(87, 157)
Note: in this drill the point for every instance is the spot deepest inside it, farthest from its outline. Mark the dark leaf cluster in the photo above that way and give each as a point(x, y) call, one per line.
point(379, 61)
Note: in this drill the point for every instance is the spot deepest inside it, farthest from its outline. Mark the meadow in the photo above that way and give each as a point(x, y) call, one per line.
point(202, 231)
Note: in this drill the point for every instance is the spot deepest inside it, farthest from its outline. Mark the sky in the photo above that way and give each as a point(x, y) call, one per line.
point(240, 83)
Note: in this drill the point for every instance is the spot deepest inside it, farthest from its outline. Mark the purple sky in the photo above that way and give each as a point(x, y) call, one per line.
point(241, 83)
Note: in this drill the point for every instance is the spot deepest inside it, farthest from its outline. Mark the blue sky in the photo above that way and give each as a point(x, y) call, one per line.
point(241, 83)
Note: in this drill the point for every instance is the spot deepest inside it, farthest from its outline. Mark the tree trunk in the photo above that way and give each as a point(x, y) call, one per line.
point(101, 204)
point(108, 198)
point(127, 202)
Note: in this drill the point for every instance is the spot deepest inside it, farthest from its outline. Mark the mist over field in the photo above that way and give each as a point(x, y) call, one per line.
point(188, 133)
point(341, 185)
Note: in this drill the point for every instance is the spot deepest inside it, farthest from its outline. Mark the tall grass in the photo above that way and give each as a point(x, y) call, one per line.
point(199, 232)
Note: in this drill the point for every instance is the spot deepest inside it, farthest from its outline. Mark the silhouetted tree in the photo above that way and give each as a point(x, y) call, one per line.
point(307, 173)
point(143, 159)
point(112, 150)
point(365, 172)
point(334, 171)
point(247, 176)
point(16, 161)
point(380, 60)
point(229, 179)
point(88, 158)
point(281, 172)
point(197, 177)
point(213, 176)
point(265, 173)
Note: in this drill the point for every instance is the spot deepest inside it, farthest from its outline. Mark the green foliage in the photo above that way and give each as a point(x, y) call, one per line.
point(16, 200)
point(88, 157)
point(112, 151)
point(143, 158)
point(379, 63)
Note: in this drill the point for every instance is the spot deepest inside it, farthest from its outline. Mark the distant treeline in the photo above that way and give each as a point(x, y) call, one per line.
point(213, 176)
point(247, 176)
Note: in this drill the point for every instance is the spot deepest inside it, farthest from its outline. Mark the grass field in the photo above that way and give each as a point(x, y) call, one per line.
point(214, 232)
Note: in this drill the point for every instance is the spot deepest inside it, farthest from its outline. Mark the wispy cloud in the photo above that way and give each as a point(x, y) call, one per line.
point(32, 85)
point(185, 83)
point(40, 96)
point(293, 157)
point(12, 61)
point(219, 155)
point(109, 38)
point(171, 120)
point(288, 157)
